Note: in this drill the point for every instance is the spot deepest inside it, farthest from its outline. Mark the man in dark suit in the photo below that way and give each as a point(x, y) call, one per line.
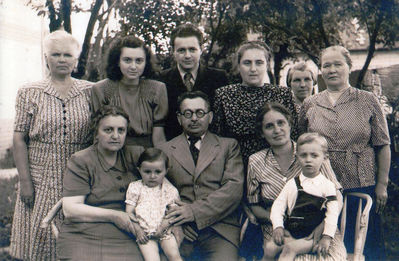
point(188, 74)
point(208, 172)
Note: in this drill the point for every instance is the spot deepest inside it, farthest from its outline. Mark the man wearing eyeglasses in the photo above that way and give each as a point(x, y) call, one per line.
point(188, 74)
point(208, 172)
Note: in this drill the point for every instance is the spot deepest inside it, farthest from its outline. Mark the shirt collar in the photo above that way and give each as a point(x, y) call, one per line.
point(119, 164)
point(316, 179)
point(194, 72)
point(74, 91)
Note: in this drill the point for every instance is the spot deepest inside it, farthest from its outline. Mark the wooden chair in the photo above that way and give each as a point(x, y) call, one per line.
point(48, 220)
point(362, 220)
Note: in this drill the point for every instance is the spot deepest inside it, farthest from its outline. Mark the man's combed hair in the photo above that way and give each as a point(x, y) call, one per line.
point(193, 95)
point(186, 30)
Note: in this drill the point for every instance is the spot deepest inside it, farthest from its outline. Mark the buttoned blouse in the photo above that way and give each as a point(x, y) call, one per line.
point(353, 127)
point(265, 179)
point(103, 185)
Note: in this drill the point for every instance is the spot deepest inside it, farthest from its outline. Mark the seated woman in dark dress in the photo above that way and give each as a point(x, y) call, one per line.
point(96, 227)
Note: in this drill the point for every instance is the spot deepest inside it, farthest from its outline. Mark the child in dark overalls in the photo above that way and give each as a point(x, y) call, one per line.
point(304, 203)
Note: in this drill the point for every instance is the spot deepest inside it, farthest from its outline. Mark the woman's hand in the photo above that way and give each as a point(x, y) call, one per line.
point(278, 236)
point(123, 222)
point(27, 192)
point(381, 196)
point(323, 245)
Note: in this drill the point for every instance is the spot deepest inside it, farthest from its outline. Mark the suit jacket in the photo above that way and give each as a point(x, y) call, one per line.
point(208, 80)
point(213, 187)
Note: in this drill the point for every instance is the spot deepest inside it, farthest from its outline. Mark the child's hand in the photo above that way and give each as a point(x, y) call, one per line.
point(323, 245)
point(162, 228)
point(141, 237)
point(278, 236)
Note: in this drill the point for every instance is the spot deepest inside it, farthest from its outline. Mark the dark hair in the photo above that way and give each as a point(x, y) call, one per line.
point(114, 55)
point(193, 95)
point(186, 30)
point(151, 155)
point(271, 106)
point(302, 67)
point(104, 111)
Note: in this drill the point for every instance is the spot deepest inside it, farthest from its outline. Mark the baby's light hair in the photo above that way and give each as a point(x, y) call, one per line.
point(310, 137)
point(151, 155)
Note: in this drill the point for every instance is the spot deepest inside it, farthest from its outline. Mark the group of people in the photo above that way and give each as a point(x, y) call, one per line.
point(177, 162)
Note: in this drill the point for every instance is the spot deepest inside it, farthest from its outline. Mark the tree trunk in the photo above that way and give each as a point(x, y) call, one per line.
point(66, 14)
point(55, 22)
point(86, 43)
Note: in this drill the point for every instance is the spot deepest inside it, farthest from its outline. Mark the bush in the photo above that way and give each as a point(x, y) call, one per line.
point(8, 161)
point(7, 202)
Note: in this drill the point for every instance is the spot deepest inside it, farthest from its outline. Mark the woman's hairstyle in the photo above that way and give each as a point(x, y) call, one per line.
point(302, 67)
point(186, 30)
point(114, 54)
point(310, 137)
point(271, 106)
point(104, 111)
point(60, 36)
point(151, 155)
point(253, 45)
point(340, 49)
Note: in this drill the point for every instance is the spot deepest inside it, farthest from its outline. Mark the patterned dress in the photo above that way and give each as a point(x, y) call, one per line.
point(56, 129)
point(266, 180)
point(235, 110)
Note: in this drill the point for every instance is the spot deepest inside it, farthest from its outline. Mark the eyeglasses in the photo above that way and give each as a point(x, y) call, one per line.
point(188, 114)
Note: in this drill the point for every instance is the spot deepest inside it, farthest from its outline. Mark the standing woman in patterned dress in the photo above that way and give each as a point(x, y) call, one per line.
point(356, 129)
point(52, 122)
point(128, 86)
point(236, 105)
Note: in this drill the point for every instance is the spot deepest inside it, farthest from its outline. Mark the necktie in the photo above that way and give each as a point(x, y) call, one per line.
point(194, 151)
point(188, 81)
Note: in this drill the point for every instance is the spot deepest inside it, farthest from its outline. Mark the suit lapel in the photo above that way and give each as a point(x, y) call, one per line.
point(209, 150)
point(182, 154)
point(178, 80)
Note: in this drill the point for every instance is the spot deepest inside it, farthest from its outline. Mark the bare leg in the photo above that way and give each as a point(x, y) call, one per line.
point(171, 249)
point(295, 247)
point(150, 251)
point(270, 250)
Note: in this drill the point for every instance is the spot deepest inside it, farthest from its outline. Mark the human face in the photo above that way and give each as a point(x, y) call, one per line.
point(132, 63)
point(111, 133)
point(335, 70)
point(187, 52)
point(252, 67)
point(301, 84)
point(153, 172)
point(310, 157)
point(276, 129)
point(194, 126)
point(61, 58)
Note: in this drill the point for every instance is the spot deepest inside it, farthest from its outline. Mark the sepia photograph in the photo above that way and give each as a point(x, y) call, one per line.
point(220, 130)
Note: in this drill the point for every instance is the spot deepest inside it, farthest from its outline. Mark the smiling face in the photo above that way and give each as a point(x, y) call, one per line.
point(334, 69)
point(153, 172)
point(194, 126)
point(310, 157)
point(276, 129)
point(111, 133)
point(302, 84)
point(252, 67)
point(61, 58)
point(132, 63)
point(187, 52)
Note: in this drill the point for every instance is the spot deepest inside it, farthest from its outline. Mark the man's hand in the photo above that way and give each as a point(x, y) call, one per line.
point(180, 214)
point(190, 233)
point(278, 236)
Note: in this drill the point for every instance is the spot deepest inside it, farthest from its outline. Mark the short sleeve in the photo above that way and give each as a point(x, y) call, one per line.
point(161, 108)
point(77, 178)
point(133, 193)
point(24, 108)
point(379, 125)
point(253, 189)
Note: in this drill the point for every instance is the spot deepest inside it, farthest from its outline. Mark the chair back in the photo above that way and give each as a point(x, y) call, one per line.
point(49, 218)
